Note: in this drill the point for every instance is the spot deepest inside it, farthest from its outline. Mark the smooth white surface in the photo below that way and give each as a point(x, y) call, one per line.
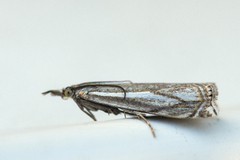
point(212, 138)
point(52, 44)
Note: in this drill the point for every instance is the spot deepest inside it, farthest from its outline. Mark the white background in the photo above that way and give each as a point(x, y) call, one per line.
point(53, 44)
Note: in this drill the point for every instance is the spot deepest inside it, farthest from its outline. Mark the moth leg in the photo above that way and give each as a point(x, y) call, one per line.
point(124, 113)
point(110, 111)
point(142, 117)
point(95, 107)
point(88, 112)
point(92, 115)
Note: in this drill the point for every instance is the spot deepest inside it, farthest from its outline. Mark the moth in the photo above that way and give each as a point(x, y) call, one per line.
point(173, 100)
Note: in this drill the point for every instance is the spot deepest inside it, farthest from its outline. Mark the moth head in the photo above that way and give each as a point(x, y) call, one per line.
point(65, 93)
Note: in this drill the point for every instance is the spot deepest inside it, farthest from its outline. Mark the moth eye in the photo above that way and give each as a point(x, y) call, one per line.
point(68, 92)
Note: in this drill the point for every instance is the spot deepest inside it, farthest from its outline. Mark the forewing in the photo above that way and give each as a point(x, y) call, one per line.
point(170, 100)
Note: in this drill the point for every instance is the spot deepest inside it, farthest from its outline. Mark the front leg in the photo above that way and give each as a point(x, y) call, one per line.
point(88, 112)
